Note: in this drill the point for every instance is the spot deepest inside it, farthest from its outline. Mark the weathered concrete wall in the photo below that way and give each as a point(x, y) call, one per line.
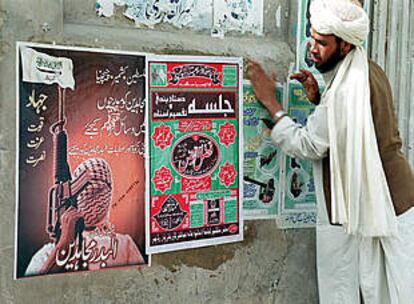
point(270, 266)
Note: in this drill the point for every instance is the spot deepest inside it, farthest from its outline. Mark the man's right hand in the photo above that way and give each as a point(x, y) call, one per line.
point(68, 227)
point(68, 220)
point(310, 85)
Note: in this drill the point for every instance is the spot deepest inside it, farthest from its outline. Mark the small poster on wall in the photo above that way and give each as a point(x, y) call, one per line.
point(194, 176)
point(262, 158)
point(80, 160)
point(298, 201)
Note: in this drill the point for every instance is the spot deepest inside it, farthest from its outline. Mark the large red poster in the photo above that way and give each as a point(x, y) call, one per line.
point(80, 160)
point(194, 144)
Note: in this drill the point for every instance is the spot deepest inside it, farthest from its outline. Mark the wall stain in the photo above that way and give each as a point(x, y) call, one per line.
point(209, 258)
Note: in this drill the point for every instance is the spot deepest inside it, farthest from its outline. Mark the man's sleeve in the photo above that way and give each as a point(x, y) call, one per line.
point(39, 259)
point(306, 142)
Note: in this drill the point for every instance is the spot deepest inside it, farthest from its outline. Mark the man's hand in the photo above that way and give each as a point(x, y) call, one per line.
point(263, 85)
point(68, 234)
point(68, 226)
point(309, 84)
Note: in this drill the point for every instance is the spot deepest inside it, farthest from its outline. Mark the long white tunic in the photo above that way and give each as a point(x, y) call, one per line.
point(381, 269)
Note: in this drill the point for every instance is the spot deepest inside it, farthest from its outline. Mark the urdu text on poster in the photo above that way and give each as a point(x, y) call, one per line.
point(80, 120)
point(194, 140)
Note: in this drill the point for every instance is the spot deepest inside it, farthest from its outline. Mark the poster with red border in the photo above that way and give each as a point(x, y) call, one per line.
point(80, 159)
point(194, 163)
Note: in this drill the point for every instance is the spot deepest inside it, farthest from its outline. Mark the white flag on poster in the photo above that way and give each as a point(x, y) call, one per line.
point(42, 68)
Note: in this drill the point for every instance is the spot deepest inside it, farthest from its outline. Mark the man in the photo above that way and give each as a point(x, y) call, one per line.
point(101, 246)
point(364, 185)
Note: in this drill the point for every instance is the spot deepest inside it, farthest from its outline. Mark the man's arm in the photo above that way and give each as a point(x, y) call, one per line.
point(263, 87)
point(305, 142)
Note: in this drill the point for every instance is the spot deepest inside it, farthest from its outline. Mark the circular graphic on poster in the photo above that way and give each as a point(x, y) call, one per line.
point(195, 155)
point(268, 158)
point(296, 184)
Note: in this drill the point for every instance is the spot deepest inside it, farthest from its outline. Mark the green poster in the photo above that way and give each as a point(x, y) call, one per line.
point(194, 168)
point(261, 158)
point(299, 199)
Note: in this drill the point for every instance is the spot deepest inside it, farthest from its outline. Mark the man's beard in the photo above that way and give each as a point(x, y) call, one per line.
point(331, 62)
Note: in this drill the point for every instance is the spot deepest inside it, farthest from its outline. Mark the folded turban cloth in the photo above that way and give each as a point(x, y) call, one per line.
point(341, 18)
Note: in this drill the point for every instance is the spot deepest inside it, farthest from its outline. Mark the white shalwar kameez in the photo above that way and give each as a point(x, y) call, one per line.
point(382, 269)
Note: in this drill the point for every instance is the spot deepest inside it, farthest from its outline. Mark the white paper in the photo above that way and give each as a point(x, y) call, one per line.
point(238, 15)
point(180, 13)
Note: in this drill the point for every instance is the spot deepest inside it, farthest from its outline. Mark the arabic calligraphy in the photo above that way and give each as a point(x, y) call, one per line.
point(195, 126)
point(170, 215)
point(195, 70)
point(167, 105)
point(38, 104)
point(34, 161)
point(106, 75)
point(212, 107)
point(36, 128)
point(196, 184)
point(113, 104)
point(227, 174)
point(162, 179)
point(296, 219)
point(162, 136)
point(195, 155)
point(192, 234)
point(75, 258)
point(227, 134)
point(87, 149)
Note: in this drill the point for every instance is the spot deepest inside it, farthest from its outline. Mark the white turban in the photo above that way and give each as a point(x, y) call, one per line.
point(341, 18)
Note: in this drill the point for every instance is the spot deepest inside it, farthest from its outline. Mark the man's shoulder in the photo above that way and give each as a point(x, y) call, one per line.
point(376, 69)
point(378, 80)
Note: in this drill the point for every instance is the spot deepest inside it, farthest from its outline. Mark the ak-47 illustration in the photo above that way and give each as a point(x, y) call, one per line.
point(62, 195)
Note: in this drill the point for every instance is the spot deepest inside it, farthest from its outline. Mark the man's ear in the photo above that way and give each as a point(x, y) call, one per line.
point(345, 47)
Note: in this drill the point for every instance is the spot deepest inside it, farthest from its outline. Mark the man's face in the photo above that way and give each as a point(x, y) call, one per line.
point(325, 51)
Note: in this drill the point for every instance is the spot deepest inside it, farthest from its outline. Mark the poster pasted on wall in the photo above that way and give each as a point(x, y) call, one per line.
point(237, 15)
point(194, 134)
point(180, 13)
point(229, 15)
point(298, 198)
point(80, 120)
point(262, 158)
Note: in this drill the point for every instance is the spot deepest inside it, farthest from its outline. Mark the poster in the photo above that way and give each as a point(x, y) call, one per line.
point(262, 158)
point(303, 43)
point(180, 13)
point(237, 15)
point(194, 169)
point(218, 16)
point(298, 207)
point(80, 121)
